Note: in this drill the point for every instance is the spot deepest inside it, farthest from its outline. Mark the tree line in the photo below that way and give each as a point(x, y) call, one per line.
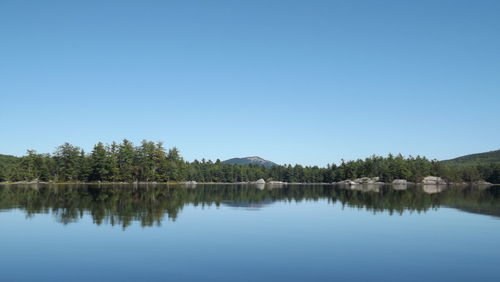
point(151, 161)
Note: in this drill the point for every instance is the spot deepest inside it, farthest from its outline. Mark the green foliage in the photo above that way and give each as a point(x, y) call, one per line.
point(33, 166)
point(3, 175)
point(7, 163)
point(7, 160)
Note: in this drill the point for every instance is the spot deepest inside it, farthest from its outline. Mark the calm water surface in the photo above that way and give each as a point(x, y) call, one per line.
point(248, 233)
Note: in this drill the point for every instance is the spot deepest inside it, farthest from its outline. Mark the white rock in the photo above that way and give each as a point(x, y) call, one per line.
point(260, 181)
point(433, 180)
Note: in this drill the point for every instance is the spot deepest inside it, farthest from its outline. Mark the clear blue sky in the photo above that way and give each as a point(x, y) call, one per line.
point(306, 82)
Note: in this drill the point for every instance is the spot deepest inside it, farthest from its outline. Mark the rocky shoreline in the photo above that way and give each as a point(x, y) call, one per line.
point(428, 180)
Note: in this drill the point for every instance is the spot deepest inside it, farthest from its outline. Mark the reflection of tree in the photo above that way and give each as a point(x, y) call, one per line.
point(124, 204)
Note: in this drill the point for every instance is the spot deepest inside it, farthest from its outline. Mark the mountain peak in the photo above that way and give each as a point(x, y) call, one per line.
point(254, 160)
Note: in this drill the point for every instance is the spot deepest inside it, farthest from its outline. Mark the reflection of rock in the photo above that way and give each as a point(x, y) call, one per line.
point(260, 186)
point(399, 186)
point(276, 184)
point(399, 181)
point(433, 188)
point(482, 182)
point(433, 180)
point(190, 184)
point(366, 188)
point(372, 187)
point(347, 182)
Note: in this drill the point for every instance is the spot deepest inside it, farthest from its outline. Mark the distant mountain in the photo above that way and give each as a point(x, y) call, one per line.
point(487, 157)
point(250, 161)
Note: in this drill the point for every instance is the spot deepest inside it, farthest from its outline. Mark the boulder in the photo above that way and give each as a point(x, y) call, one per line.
point(366, 180)
point(362, 180)
point(433, 180)
point(260, 181)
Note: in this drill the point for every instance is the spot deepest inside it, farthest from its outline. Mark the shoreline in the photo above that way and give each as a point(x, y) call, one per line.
point(180, 183)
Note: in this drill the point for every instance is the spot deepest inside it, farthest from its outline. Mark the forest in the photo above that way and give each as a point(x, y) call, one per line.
point(152, 162)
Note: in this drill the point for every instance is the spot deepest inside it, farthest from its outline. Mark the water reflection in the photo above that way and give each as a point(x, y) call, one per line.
point(260, 186)
point(400, 186)
point(364, 187)
point(431, 189)
point(150, 204)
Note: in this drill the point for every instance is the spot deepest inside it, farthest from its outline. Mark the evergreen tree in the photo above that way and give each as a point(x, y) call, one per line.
point(101, 164)
point(67, 159)
point(126, 156)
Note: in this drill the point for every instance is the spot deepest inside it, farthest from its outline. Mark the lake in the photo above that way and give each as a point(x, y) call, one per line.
point(248, 233)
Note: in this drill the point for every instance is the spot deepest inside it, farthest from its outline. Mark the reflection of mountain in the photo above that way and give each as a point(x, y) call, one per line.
point(486, 210)
point(149, 204)
point(485, 202)
point(249, 205)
